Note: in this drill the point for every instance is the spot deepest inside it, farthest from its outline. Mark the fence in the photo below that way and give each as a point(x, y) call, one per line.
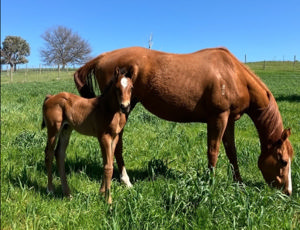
point(43, 73)
point(275, 65)
point(35, 74)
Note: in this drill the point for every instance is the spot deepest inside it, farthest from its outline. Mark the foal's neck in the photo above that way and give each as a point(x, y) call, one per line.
point(109, 100)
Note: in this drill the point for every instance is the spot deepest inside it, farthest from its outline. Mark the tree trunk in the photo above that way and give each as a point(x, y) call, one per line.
point(11, 67)
point(11, 73)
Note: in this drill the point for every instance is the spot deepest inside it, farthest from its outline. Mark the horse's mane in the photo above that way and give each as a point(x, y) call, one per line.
point(270, 117)
point(269, 124)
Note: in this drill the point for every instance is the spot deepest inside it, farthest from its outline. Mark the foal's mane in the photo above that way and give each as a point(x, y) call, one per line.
point(111, 82)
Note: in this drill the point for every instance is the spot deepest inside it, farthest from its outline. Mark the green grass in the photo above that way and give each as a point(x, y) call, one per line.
point(166, 162)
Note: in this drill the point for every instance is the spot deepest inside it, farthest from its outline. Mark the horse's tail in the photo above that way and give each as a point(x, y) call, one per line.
point(84, 77)
point(43, 119)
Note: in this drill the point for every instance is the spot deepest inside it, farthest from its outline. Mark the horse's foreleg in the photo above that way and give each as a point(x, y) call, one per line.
point(215, 130)
point(229, 144)
point(107, 154)
point(60, 154)
point(120, 161)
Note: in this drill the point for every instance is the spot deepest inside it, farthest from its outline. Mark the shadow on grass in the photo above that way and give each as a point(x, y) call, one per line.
point(252, 184)
point(156, 168)
point(290, 98)
point(93, 170)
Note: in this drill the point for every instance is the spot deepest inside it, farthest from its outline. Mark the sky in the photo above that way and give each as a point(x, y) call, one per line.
point(261, 30)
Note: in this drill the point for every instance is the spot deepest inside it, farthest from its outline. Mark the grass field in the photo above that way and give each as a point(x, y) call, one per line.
point(166, 162)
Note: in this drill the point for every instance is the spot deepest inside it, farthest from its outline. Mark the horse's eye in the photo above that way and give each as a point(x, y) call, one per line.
point(283, 162)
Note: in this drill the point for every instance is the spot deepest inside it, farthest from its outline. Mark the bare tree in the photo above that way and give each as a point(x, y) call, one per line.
point(14, 50)
point(62, 47)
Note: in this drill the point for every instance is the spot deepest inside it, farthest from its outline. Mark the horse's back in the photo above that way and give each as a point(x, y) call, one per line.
point(197, 84)
point(191, 87)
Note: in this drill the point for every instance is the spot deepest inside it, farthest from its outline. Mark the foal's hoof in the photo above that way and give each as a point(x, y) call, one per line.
point(109, 200)
point(50, 191)
point(69, 196)
point(126, 181)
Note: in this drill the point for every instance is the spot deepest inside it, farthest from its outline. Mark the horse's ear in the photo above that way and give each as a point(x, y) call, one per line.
point(285, 134)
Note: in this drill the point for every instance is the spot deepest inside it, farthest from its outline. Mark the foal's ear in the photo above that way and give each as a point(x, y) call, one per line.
point(285, 134)
point(130, 72)
point(117, 71)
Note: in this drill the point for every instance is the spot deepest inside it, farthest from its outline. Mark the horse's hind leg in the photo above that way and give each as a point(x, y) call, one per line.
point(60, 154)
point(229, 144)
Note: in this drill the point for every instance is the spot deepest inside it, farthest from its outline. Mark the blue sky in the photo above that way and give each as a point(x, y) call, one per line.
point(264, 30)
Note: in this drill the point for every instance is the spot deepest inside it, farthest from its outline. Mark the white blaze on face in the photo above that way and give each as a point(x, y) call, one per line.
point(290, 178)
point(124, 82)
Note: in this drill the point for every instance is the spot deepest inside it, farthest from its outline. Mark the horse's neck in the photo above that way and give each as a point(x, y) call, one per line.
point(268, 123)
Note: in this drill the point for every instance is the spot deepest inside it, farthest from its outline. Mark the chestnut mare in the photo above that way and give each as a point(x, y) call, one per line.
point(210, 86)
point(103, 117)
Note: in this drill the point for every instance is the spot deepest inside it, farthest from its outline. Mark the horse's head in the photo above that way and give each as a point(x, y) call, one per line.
point(276, 164)
point(123, 87)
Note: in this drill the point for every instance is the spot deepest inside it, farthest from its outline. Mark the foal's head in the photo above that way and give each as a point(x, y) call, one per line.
point(123, 88)
point(276, 165)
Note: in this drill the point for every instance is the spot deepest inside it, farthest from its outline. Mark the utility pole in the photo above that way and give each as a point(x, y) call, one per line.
point(150, 41)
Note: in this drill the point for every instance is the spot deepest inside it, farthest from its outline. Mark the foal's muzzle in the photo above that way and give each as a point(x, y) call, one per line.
point(125, 108)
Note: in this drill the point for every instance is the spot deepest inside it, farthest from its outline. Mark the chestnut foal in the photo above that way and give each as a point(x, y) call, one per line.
point(103, 117)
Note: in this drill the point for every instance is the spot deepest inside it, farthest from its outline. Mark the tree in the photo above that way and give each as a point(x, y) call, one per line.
point(14, 51)
point(64, 47)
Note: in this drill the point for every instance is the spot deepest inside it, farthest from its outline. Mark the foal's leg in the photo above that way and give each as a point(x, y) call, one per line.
point(107, 154)
point(229, 144)
point(60, 154)
point(121, 165)
point(215, 130)
point(49, 154)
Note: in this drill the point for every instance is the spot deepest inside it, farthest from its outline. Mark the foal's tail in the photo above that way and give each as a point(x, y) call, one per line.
point(43, 121)
point(84, 77)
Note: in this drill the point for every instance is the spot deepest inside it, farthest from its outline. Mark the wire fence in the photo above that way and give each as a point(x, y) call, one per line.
point(275, 65)
point(41, 73)
point(46, 73)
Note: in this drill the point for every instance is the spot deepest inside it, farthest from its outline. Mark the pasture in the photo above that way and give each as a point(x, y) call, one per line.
point(166, 162)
